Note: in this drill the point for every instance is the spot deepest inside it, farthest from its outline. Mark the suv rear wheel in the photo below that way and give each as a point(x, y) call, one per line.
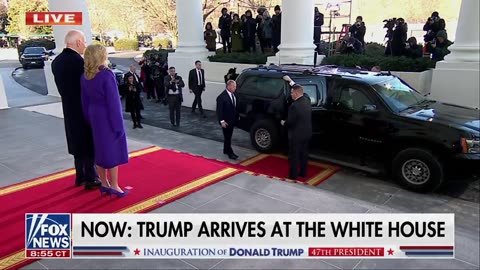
point(264, 136)
point(418, 170)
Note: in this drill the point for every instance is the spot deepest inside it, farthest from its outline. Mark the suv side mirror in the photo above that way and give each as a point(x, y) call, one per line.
point(368, 108)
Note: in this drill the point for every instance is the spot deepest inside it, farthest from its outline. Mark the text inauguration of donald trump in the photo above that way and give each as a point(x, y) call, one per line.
point(262, 236)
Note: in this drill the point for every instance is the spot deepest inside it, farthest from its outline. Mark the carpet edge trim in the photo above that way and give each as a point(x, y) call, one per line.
point(19, 257)
point(55, 176)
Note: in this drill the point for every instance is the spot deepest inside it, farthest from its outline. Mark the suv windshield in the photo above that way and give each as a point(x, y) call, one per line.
point(398, 95)
point(33, 50)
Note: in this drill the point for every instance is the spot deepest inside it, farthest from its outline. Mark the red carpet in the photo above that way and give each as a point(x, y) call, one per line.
point(156, 176)
point(277, 167)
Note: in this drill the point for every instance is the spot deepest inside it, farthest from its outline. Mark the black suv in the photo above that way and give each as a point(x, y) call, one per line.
point(376, 117)
point(34, 56)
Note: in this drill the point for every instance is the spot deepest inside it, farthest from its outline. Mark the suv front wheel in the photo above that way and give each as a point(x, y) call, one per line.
point(418, 170)
point(264, 136)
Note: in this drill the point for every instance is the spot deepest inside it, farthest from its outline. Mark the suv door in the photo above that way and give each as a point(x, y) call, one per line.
point(315, 87)
point(355, 124)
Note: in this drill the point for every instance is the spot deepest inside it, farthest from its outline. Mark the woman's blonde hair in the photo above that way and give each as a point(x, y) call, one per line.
point(95, 56)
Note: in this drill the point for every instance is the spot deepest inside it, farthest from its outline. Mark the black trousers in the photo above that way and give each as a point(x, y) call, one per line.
point(197, 100)
point(298, 156)
point(159, 90)
point(251, 44)
point(226, 43)
point(174, 105)
point(150, 90)
point(135, 116)
point(227, 140)
point(85, 169)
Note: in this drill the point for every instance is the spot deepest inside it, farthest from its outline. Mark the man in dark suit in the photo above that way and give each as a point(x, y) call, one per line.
point(133, 72)
point(173, 91)
point(228, 116)
point(67, 69)
point(196, 83)
point(299, 125)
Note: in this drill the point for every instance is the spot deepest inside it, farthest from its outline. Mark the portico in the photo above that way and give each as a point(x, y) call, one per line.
point(455, 79)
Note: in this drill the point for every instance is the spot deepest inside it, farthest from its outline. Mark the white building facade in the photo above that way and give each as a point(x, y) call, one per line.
point(455, 80)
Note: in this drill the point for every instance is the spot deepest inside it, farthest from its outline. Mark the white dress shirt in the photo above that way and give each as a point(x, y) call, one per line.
point(199, 76)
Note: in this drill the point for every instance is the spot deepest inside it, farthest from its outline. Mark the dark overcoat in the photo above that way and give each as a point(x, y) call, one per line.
point(67, 69)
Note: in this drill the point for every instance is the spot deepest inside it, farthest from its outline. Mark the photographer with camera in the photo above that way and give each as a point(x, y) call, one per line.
point(439, 46)
point(358, 30)
point(351, 45)
point(399, 37)
point(412, 49)
point(432, 26)
point(173, 91)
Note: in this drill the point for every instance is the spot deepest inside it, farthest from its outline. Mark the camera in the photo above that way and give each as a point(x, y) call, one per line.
point(358, 24)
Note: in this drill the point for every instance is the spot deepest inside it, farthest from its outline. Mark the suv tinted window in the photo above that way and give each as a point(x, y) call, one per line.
point(262, 86)
point(353, 99)
point(310, 87)
point(312, 92)
point(34, 50)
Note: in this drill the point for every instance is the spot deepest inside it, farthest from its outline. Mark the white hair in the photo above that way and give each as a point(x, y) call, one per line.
point(73, 35)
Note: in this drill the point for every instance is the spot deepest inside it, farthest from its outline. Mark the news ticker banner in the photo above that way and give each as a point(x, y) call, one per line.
point(229, 236)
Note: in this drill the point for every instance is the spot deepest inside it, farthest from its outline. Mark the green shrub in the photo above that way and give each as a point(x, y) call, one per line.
point(374, 49)
point(49, 45)
point(241, 58)
point(97, 42)
point(163, 41)
point(386, 63)
point(126, 45)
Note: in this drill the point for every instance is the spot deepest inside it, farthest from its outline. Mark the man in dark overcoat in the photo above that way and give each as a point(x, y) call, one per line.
point(67, 68)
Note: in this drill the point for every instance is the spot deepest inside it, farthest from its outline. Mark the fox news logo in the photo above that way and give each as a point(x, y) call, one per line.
point(47, 235)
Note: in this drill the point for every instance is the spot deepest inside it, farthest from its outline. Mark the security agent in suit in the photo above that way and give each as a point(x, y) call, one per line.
point(228, 116)
point(173, 92)
point(67, 68)
point(299, 125)
point(196, 83)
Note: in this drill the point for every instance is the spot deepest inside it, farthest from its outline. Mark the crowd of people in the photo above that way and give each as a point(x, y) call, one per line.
point(398, 43)
point(240, 33)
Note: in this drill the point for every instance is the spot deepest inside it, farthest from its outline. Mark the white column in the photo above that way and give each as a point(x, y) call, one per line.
point(60, 31)
point(190, 26)
point(455, 80)
point(3, 95)
point(466, 46)
point(297, 33)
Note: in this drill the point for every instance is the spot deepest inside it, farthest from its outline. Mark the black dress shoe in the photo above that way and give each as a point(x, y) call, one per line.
point(292, 177)
point(139, 126)
point(92, 185)
point(79, 183)
point(232, 156)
